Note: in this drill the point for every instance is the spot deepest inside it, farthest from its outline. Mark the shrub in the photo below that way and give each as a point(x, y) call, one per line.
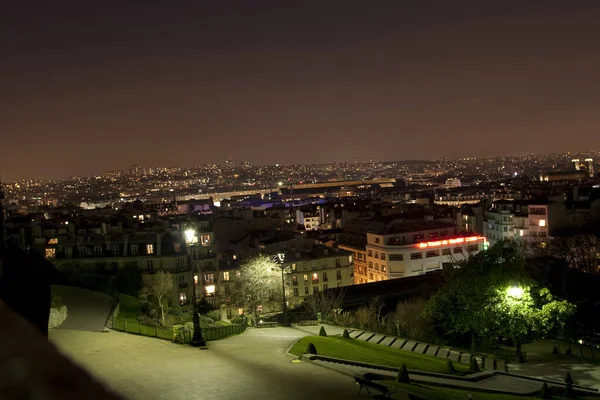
point(569, 378)
point(152, 313)
point(346, 334)
point(545, 392)
point(411, 322)
point(205, 321)
point(568, 352)
point(311, 349)
point(450, 366)
point(473, 364)
point(56, 302)
point(214, 315)
point(178, 334)
point(145, 306)
point(237, 320)
point(175, 311)
point(555, 350)
point(190, 326)
point(363, 317)
point(403, 376)
point(143, 297)
point(322, 331)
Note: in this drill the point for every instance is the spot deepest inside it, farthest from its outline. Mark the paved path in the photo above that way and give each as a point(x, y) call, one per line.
point(584, 374)
point(87, 310)
point(250, 366)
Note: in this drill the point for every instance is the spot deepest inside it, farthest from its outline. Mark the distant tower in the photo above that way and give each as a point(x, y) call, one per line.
point(575, 162)
point(356, 161)
point(590, 166)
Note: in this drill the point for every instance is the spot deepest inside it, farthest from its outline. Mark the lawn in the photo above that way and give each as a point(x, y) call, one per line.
point(441, 393)
point(357, 350)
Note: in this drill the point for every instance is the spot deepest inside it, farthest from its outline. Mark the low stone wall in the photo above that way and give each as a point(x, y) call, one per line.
point(57, 316)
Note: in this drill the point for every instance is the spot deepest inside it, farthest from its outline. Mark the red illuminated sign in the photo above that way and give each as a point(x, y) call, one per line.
point(460, 240)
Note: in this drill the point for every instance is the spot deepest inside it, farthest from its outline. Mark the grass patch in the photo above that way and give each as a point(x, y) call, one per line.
point(129, 307)
point(357, 350)
point(441, 393)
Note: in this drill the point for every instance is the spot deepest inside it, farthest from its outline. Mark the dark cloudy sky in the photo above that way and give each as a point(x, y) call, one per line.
point(87, 86)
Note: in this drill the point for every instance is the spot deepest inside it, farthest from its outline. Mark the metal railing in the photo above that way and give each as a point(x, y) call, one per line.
point(162, 332)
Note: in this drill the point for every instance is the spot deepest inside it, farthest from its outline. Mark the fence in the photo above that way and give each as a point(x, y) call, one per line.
point(210, 333)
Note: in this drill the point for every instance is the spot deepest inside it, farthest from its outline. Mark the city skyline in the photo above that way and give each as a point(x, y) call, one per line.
point(186, 84)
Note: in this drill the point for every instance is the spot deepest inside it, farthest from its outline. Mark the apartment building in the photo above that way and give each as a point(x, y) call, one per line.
point(102, 255)
point(507, 220)
point(398, 251)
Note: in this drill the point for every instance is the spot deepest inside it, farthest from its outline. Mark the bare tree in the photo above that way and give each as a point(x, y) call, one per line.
point(259, 284)
point(325, 302)
point(159, 285)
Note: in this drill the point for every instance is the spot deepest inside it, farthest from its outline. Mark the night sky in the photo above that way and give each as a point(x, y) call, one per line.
point(89, 86)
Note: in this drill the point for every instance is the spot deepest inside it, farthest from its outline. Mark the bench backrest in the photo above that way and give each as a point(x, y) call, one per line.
point(374, 385)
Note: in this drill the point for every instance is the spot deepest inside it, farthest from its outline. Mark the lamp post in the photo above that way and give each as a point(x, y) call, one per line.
point(281, 258)
point(197, 338)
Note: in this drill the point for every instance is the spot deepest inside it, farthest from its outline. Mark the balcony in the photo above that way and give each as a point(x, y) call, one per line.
point(315, 281)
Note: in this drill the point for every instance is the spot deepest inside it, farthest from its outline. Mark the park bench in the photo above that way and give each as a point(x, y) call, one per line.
point(267, 324)
point(370, 385)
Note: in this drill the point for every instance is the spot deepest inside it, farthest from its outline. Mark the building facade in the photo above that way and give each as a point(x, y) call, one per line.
point(409, 250)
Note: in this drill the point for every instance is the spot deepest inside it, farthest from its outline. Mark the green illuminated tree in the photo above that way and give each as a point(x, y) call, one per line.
point(489, 295)
point(465, 305)
point(523, 312)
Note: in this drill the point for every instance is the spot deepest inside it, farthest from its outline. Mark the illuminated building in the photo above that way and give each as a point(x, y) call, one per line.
point(507, 219)
point(415, 249)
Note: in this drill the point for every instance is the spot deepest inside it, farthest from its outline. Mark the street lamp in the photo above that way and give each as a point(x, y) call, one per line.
point(515, 292)
point(281, 258)
point(197, 338)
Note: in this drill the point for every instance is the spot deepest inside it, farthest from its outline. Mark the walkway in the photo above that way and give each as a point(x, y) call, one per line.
point(87, 310)
point(250, 366)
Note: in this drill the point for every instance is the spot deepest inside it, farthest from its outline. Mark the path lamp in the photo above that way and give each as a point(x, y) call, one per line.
point(281, 258)
point(197, 339)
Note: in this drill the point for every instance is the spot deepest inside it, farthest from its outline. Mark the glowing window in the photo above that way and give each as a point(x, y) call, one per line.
point(150, 249)
point(542, 222)
point(53, 241)
point(210, 290)
point(50, 253)
point(226, 276)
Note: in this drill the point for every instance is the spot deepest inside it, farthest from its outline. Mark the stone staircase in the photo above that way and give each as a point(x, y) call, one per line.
point(488, 363)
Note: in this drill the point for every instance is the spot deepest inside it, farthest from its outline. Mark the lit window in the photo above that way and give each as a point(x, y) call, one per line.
point(182, 298)
point(542, 222)
point(210, 290)
point(53, 241)
point(141, 217)
point(150, 249)
point(226, 276)
point(195, 279)
point(235, 257)
point(238, 274)
point(350, 259)
point(50, 253)
point(240, 311)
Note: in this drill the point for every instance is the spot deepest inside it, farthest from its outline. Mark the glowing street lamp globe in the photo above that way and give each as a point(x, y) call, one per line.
point(515, 292)
point(189, 235)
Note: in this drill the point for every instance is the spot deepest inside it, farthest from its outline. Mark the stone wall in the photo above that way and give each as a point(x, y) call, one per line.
point(57, 316)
